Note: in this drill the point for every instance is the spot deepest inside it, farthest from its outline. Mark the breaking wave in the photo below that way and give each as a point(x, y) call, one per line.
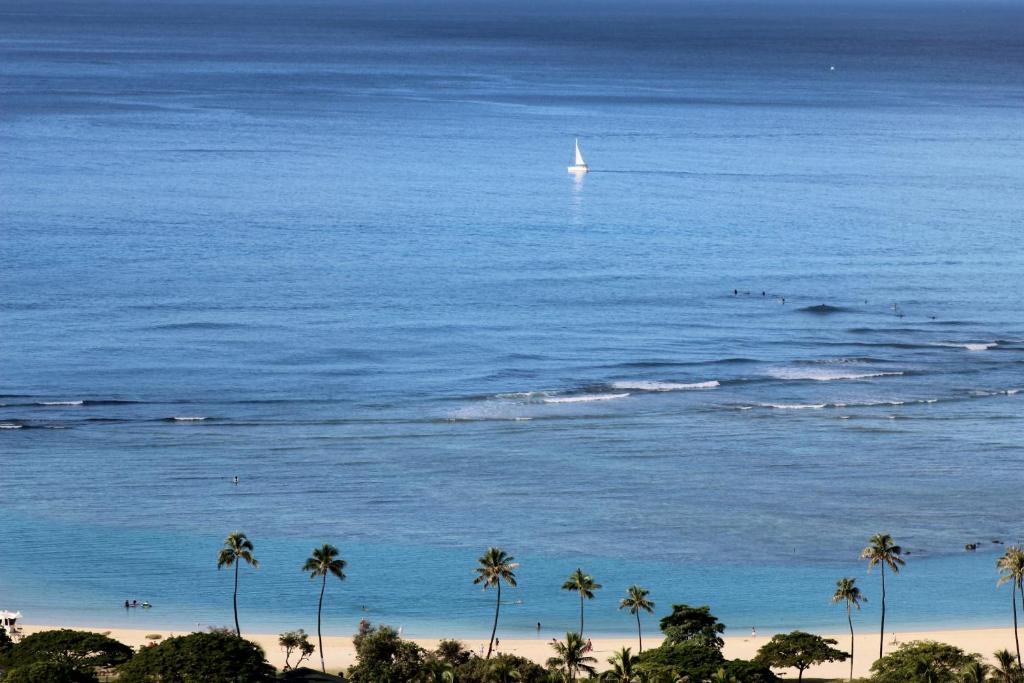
point(825, 374)
point(583, 398)
point(641, 385)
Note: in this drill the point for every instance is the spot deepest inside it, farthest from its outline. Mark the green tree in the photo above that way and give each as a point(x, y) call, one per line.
point(883, 551)
point(452, 652)
point(72, 653)
point(237, 548)
point(975, 672)
point(495, 566)
point(295, 642)
point(206, 657)
point(1007, 670)
point(636, 601)
point(696, 658)
point(322, 563)
point(584, 584)
point(798, 650)
point(623, 669)
point(1011, 568)
point(435, 671)
point(687, 623)
point(944, 663)
point(503, 668)
point(847, 592)
point(383, 657)
point(571, 658)
point(48, 672)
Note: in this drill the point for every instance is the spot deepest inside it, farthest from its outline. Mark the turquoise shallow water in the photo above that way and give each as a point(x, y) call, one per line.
point(332, 249)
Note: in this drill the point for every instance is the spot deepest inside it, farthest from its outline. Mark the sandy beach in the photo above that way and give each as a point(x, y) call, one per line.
point(340, 652)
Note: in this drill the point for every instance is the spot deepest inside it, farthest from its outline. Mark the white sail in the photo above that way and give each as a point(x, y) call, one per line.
point(579, 156)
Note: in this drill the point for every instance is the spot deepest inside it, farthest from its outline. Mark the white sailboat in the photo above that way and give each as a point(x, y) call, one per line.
point(580, 166)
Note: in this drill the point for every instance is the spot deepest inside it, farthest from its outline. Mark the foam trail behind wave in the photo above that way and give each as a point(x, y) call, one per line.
point(584, 398)
point(827, 374)
point(641, 385)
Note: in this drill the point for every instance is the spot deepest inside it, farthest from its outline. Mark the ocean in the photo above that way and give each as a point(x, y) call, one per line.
point(332, 248)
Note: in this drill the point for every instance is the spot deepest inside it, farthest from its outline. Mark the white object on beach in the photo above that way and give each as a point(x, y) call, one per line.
point(8, 622)
point(580, 166)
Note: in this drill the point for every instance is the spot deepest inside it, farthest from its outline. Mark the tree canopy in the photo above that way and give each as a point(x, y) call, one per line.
point(199, 658)
point(687, 623)
point(381, 655)
point(81, 652)
point(798, 650)
point(922, 661)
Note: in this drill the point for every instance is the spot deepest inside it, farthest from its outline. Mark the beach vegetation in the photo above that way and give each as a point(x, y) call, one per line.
point(452, 652)
point(207, 657)
point(1011, 569)
point(237, 549)
point(1006, 669)
point(849, 594)
point(922, 661)
point(382, 656)
point(798, 650)
point(48, 672)
point(435, 671)
point(571, 658)
point(322, 563)
point(502, 668)
point(687, 623)
point(494, 567)
point(975, 672)
point(582, 583)
point(883, 551)
point(74, 655)
point(623, 668)
point(696, 658)
point(636, 601)
point(296, 643)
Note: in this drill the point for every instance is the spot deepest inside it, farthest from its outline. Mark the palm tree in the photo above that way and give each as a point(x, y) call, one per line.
point(571, 657)
point(848, 592)
point(503, 670)
point(1007, 670)
point(975, 672)
point(884, 552)
point(322, 562)
point(636, 600)
point(495, 566)
point(583, 584)
point(1011, 566)
point(237, 547)
point(622, 670)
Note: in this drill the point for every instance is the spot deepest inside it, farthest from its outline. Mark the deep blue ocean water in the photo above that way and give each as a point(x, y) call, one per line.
point(332, 249)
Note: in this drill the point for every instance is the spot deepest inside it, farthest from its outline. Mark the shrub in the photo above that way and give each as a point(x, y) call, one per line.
point(479, 670)
point(923, 661)
point(382, 656)
point(48, 672)
point(206, 657)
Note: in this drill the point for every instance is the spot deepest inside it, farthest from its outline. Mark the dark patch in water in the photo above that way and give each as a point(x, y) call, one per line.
point(823, 309)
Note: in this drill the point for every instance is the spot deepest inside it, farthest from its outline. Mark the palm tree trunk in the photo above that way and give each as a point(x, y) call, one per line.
point(319, 610)
point(1016, 638)
point(234, 602)
point(881, 638)
point(494, 630)
point(639, 635)
point(581, 614)
point(849, 618)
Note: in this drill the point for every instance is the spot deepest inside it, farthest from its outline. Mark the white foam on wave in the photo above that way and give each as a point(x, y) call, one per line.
point(9, 425)
point(524, 395)
point(60, 403)
point(795, 406)
point(970, 346)
point(1012, 392)
point(188, 418)
point(643, 385)
point(584, 398)
point(825, 374)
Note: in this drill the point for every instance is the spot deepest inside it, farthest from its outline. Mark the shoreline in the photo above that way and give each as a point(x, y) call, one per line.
point(339, 652)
